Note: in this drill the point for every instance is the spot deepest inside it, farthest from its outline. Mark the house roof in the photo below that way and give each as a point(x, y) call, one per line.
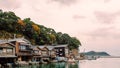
point(3, 41)
point(35, 47)
point(41, 47)
point(21, 40)
point(50, 47)
point(6, 45)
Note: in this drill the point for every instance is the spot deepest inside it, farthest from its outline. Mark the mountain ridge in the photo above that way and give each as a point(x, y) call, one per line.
point(93, 53)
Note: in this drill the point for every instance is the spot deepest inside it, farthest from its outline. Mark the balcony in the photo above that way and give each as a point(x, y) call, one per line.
point(7, 55)
point(24, 54)
point(36, 54)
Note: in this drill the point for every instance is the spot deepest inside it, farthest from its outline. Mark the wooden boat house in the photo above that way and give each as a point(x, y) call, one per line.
point(23, 49)
point(36, 52)
point(7, 53)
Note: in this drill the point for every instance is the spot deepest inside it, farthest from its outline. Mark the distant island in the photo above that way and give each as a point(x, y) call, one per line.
point(93, 53)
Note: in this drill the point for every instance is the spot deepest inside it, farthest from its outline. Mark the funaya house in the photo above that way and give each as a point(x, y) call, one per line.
point(21, 50)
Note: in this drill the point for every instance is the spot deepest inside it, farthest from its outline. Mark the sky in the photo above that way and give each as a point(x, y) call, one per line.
point(94, 22)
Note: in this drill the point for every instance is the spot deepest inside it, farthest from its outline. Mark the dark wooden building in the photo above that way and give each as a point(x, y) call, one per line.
point(36, 51)
point(7, 53)
point(61, 50)
point(23, 49)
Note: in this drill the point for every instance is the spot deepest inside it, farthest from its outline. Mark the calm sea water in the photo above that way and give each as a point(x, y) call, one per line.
point(99, 63)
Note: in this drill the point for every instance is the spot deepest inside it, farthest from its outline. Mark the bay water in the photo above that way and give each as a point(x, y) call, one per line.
point(99, 63)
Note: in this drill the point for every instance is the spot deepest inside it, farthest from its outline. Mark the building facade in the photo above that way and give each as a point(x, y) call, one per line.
point(23, 49)
point(36, 52)
point(7, 53)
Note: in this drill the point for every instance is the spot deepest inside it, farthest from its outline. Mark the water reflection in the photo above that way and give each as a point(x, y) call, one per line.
point(99, 63)
point(72, 65)
point(53, 65)
point(59, 65)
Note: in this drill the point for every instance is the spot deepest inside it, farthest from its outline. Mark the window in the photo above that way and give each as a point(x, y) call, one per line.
point(66, 50)
point(4, 50)
point(61, 54)
point(52, 52)
point(40, 52)
point(9, 50)
point(22, 47)
point(36, 51)
point(44, 53)
point(1, 50)
point(60, 49)
point(56, 50)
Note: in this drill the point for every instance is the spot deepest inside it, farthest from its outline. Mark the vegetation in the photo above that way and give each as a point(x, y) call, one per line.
point(11, 24)
point(93, 53)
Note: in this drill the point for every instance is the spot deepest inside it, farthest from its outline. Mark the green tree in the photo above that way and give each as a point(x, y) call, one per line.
point(74, 43)
point(37, 34)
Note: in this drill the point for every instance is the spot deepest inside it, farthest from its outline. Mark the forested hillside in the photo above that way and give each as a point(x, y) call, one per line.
point(10, 24)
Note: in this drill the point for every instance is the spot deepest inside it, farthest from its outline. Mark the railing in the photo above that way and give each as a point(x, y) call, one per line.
point(36, 54)
point(24, 54)
point(6, 54)
point(45, 55)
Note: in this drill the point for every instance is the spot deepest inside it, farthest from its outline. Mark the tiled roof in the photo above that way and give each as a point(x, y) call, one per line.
point(35, 47)
point(41, 46)
point(6, 45)
point(50, 47)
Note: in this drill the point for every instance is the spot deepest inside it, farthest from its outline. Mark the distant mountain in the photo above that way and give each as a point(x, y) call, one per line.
point(93, 53)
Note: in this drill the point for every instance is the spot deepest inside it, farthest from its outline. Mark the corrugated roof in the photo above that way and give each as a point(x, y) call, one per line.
point(41, 46)
point(35, 47)
point(50, 47)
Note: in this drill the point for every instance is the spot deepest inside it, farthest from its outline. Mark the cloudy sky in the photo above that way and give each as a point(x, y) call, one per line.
point(94, 22)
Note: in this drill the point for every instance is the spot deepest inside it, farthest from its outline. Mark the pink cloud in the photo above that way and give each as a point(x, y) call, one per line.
point(105, 17)
point(106, 1)
point(78, 17)
point(65, 2)
point(9, 4)
point(105, 32)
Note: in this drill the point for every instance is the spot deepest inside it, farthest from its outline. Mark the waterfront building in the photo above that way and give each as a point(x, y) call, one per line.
point(7, 53)
point(52, 52)
point(36, 52)
point(44, 53)
point(23, 49)
point(61, 50)
point(75, 53)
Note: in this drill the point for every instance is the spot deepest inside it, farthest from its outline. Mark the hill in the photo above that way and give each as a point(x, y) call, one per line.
point(93, 53)
point(12, 25)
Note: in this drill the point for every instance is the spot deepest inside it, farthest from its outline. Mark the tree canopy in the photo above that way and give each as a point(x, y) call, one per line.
point(37, 34)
